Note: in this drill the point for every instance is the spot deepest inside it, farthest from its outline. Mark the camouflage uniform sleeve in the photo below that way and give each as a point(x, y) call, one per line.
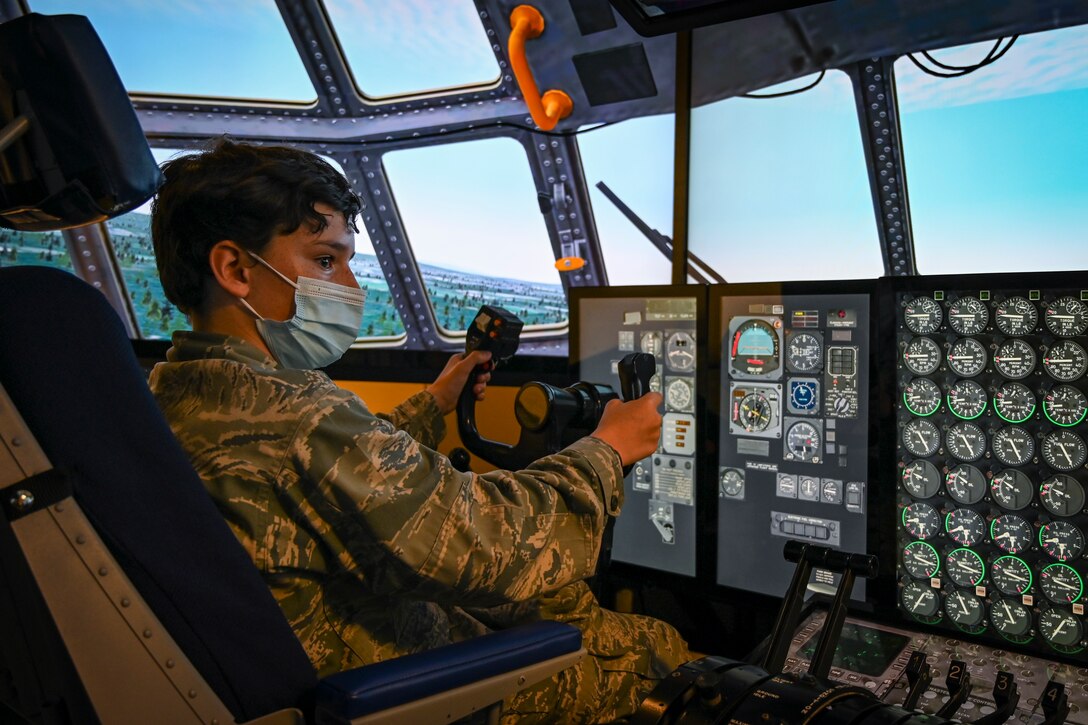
point(420, 418)
point(398, 513)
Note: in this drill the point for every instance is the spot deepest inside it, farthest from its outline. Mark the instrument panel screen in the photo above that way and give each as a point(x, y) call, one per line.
point(865, 650)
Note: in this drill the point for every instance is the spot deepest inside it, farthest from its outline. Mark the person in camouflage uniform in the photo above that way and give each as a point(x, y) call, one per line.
point(372, 543)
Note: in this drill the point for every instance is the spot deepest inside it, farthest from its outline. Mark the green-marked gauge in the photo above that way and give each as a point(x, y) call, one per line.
point(921, 560)
point(1061, 540)
point(965, 610)
point(1061, 583)
point(1065, 405)
point(1013, 446)
point(921, 520)
point(1016, 316)
point(922, 356)
point(1062, 630)
point(1064, 450)
point(921, 600)
point(1011, 489)
point(921, 479)
point(922, 396)
point(964, 567)
point(966, 484)
point(1011, 533)
point(1062, 495)
point(967, 399)
point(966, 441)
point(1066, 316)
point(968, 316)
point(1011, 619)
point(965, 526)
point(921, 437)
point(967, 357)
point(1014, 359)
point(1014, 402)
point(922, 315)
point(1065, 361)
point(1011, 575)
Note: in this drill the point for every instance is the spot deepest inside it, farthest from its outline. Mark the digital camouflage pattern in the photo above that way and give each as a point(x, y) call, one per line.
point(375, 546)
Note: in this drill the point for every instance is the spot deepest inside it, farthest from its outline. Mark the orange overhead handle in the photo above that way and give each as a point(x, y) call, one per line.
point(526, 23)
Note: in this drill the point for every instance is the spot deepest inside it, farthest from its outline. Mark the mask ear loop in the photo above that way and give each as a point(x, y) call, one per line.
point(274, 271)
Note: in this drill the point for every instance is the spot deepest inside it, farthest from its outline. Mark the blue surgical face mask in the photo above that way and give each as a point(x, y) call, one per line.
point(326, 323)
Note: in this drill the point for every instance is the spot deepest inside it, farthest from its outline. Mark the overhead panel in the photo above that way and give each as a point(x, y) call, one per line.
point(616, 74)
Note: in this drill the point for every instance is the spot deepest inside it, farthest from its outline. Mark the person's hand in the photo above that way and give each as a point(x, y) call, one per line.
point(632, 428)
point(447, 388)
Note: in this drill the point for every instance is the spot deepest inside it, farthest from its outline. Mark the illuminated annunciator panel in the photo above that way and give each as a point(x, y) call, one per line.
point(991, 444)
point(657, 527)
point(793, 411)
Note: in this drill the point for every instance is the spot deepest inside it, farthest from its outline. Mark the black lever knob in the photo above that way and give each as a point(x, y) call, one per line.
point(1055, 703)
point(919, 677)
point(635, 371)
point(460, 459)
point(1006, 697)
point(958, 682)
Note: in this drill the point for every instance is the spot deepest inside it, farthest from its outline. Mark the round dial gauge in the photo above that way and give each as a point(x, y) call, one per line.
point(1065, 405)
point(921, 560)
point(754, 413)
point(967, 357)
point(1064, 450)
point(920, 599)
point(967, 399)
point(1016, 316)
point(1012, 489)
point(964, 609)
point(1014, 402)
point(803, 441)
point(966, 441)
point(655, 381)
point(1011, 575)
point(1062, 495)
point(731, 483)
point(651, 343)
point(680, 351)
point(1061, 583)
point(922, 396)
point(1014, 359)
point(1061, 540)
point(679, 395)
point(1066, 361)
point(921, 437)
point(921, 479)
point(968, 316)
point(1013, 446)
point(965, 526)
point(964, 567)
point(1010, 618)
point(1061, 629)
point(1011, 533)
point(966, 484)
point(1066, 316)
point(803, 352)
point(921, 520)
point(922, 356)
point(922, 315)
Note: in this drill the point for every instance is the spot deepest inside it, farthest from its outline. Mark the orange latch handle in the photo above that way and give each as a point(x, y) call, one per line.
point(526, 22)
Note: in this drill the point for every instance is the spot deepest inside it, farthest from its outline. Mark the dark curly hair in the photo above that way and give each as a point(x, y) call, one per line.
point(242, 192)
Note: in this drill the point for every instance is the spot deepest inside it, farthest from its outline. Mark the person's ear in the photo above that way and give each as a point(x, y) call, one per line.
point(231, 267)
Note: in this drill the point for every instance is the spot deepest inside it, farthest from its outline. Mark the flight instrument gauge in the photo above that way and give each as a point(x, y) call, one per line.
point(1015, 359)
point(680, 351)
point(921, 520)
point(1016, 316)
point(964, 609)
point(803, 352)
point(754, 348)
point(1065, 361)
point(754, 413)
point(1064, 450)
point(966, 484)
point(921, 560)
point(921, 479)
point(1065, 405)
point(967, 357)
point(968, 316)
point(1011, 533)
point(920, 599)
point(1010, 618)
point(965, 526)
point(922, 396)
point(731, 483)
point(803, 442)
point(651, 343)
point(1062, 630)
point(1014, 403)
point(1066, 316)
point(1061, 540)
point(966, 441)
point(1013, 446)
point(967, 399)
point(922, 356)
point(1011, 575)
point(679, 395)
point(1061, 583)
point(964, 567)
point(1011, 489)
point(1062, 495)
point(921, 437)
point(922, 315)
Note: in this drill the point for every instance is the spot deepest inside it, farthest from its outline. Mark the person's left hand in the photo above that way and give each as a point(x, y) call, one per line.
point(447, 388)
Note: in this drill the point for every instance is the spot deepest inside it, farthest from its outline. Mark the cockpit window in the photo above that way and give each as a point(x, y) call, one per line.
point(215, 49)
point(995, 159)
point(40, 248)
point(408, 47)
point(778, 186)
point(470, 212)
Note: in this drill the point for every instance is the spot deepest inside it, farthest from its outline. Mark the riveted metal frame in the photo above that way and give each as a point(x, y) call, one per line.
point(94, 262)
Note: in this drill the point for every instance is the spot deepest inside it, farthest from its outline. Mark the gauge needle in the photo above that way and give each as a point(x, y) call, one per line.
point(1059, 361)
point(965, 441)
point(1065, 453)
point(1014, 577)
point(1015, 449)
point(961, 357)
point(918, 601)
point(1062, 584)
point(1008, 611)
point(963, 606)
point(969, 569)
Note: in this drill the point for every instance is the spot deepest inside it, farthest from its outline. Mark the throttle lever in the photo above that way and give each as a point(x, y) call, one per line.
point(635, 371)
point(958, 682)
point(1055, 703)
point(919, 677)
point(1006, 698)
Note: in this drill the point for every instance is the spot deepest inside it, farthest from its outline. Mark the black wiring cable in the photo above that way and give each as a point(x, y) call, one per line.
point(794, 92)
point(957, 71)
